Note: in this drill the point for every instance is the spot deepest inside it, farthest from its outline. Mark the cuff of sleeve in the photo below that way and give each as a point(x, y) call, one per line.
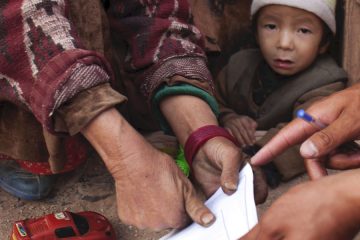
point(85, 106)
point(181, 89)
point(193, 69)
point(63, 77)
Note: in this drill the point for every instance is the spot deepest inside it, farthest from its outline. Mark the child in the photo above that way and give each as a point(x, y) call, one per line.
point(264, 88)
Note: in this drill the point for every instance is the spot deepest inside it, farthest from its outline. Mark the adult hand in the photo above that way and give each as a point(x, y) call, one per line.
point(241, 127)
point(347, 156)
point(324, 209)
point(151, 191)
point(340, 112)
point(218, 162)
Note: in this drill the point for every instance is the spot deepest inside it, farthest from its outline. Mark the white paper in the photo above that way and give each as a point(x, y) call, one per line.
point(235, 214)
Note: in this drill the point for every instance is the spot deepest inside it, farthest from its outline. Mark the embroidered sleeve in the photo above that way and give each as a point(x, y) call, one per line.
point(162, 41)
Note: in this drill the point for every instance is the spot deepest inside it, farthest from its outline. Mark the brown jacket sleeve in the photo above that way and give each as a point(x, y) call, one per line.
point(221, 94)
point(73, 116)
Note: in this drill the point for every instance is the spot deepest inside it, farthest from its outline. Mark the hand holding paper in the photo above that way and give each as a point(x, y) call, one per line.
point(235, 214)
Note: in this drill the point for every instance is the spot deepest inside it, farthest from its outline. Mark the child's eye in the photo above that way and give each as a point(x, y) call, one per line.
point(304, 31)
point(270, 26)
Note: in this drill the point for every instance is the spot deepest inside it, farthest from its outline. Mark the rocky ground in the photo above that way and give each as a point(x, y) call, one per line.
point(89, 188)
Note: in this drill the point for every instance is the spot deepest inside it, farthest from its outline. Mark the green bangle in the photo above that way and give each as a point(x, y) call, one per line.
point(179, 89)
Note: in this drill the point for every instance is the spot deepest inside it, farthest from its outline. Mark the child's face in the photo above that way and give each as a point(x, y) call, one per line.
point(289, 38)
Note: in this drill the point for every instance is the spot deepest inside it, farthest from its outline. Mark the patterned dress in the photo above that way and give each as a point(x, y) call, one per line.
point(43, 63)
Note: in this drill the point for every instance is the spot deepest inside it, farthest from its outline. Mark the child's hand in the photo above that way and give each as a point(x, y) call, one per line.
point(241, 127)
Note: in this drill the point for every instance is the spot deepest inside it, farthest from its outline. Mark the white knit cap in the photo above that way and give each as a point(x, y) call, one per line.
point(324, 9)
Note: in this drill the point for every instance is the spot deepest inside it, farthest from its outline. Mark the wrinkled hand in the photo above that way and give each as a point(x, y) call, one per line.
point(241, 127)
point(151, 191)
point(219, 160)
point(217, 164)
point(324, 209)
point(340, 112)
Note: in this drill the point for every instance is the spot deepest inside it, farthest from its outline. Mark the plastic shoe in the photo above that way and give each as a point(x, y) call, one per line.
point(23, 184)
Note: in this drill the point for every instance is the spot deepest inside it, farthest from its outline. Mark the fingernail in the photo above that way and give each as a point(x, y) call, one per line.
point(308, 149)
point(207, 219)
point(230, 186)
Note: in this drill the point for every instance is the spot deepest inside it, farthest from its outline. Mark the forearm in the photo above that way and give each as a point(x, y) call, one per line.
point(113, 138)
point(186, 114)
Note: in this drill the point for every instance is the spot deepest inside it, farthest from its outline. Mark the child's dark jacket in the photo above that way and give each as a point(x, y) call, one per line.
point(235, 93)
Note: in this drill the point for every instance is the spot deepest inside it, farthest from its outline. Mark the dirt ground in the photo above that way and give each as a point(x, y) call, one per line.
point(90, 188)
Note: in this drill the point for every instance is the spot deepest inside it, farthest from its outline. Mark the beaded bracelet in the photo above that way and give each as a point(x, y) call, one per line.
point(200, 136)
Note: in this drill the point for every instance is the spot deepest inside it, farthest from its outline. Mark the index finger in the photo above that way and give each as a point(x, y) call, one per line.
point(293, 133)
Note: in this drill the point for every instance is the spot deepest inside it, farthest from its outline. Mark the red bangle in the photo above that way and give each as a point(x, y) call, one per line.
point(200, 136)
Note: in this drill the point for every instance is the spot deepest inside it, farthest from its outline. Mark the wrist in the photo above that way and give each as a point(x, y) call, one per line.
point(200, 136)
point(112, 137)
point(190, 114)
point(165, 95)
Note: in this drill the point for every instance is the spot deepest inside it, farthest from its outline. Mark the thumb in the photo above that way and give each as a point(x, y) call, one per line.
point(326, 140)
point(196, 209)
point(230, 174)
